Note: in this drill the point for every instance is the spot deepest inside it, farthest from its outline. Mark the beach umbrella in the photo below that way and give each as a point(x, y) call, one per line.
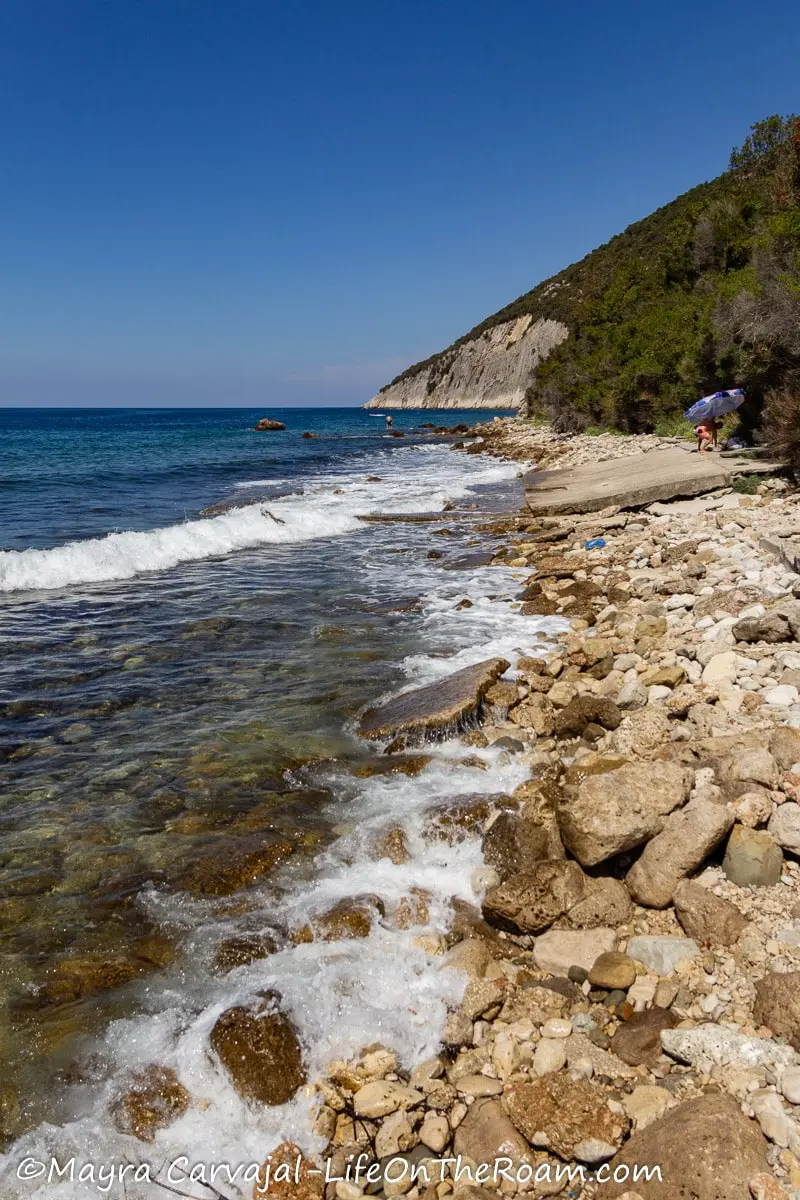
point(716, 406)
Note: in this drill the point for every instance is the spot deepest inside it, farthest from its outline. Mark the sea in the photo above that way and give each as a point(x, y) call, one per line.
point(193, 615)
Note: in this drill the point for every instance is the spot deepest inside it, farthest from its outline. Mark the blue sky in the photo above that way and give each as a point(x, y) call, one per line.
point(239, 201)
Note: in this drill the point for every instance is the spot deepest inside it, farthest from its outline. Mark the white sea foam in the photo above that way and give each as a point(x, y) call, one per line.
point(330, 507)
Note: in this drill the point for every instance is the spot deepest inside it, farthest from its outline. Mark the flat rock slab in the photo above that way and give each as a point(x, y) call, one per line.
point(635, 481)
point(435, 708)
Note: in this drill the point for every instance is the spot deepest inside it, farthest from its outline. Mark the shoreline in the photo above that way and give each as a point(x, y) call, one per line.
point(636, 684)
point(673, 673)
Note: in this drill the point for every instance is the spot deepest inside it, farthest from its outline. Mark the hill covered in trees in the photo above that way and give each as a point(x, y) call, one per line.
point(704, 293)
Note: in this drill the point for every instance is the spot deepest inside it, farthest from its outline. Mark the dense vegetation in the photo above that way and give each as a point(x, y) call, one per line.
point(702, 294)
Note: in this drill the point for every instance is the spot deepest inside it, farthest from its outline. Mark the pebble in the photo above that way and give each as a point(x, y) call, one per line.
point(550, 1055)
point(557, 1027)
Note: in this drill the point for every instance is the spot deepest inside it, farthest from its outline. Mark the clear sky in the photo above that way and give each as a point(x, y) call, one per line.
point(240, 201)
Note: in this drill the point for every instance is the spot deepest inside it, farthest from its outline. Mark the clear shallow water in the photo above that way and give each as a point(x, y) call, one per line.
point(178, 692)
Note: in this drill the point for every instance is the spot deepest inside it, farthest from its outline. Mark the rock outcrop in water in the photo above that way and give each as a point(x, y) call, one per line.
point(435, 708)
point(489, 371)
point(268, 424)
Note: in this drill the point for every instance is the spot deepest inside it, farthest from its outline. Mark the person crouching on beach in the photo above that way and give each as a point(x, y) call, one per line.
point(706, 435)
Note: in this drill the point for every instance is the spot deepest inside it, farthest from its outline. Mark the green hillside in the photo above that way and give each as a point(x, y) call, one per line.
point(703, 293)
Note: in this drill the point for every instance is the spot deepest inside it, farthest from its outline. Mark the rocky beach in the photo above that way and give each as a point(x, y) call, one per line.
point(525, 922)
point(631, 957)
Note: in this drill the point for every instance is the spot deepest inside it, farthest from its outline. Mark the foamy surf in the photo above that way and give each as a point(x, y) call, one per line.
point(330, 507)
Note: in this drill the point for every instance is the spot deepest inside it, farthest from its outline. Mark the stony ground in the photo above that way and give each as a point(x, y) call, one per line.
point(633, 967)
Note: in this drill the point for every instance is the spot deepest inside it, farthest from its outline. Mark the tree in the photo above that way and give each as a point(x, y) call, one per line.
point(764, 142)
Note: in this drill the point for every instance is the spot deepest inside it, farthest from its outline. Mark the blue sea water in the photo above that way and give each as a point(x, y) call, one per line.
point(192, 616)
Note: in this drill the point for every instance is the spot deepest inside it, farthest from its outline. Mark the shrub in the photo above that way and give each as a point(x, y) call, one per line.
point(781, 424)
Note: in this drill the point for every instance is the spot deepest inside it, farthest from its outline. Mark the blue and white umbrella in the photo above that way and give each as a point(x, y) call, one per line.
point(716, 406)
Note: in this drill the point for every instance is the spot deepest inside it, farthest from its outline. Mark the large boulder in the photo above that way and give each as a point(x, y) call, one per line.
point(260, 1051)
point(530, 901)
point(784, 746)
point(784, 827)
point(269, 425)
point(571, 1117)
point(706, 1149)
point(687, 838)
point(618, 810)
point(436, 707)
point(752, 858)
point(512, 844)
point(777, 1005)
point(607, 902)
point(707, 918)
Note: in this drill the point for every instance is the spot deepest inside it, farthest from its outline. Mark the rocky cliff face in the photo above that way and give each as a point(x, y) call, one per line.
point(490, 371)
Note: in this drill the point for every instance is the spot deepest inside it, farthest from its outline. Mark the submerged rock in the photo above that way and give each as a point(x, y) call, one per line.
point(260, 1051)
point(154, 1100)
point(436, 707)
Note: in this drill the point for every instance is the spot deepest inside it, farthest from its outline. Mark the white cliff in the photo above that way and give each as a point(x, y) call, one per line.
point(492, 370)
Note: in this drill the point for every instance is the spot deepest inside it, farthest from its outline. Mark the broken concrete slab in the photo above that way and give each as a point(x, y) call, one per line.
point(635, 481)
point(435, 708)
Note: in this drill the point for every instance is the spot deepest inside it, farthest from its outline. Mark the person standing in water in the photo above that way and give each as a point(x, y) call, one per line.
point(388, 421)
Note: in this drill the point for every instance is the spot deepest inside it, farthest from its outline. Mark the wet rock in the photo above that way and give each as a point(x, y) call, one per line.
point(240, 951)
point(709, 1046)
point(784, 746)
point(777, 1005)
point(707, 918)
point(618, 810)
point(350, 918)
point(561, 949)
point(686, 840)
point(706, 1149)
point(784, 827)
point(242, 864)
point(607, 902)
point(268, 424)
point(612, 969)
point(662, 954)
point(280, 1178)
point(153, 1101)
point(531, 900)
point(75, 978)
point(486, 1134)
point(471, 955)
point(393, 846)
point(638, 1040)
point(513, 844)
point(585, 710)
point(10, 1113)
point(570, 1117)
point(260, 1051)
point(752, 858)
point(435, 708)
